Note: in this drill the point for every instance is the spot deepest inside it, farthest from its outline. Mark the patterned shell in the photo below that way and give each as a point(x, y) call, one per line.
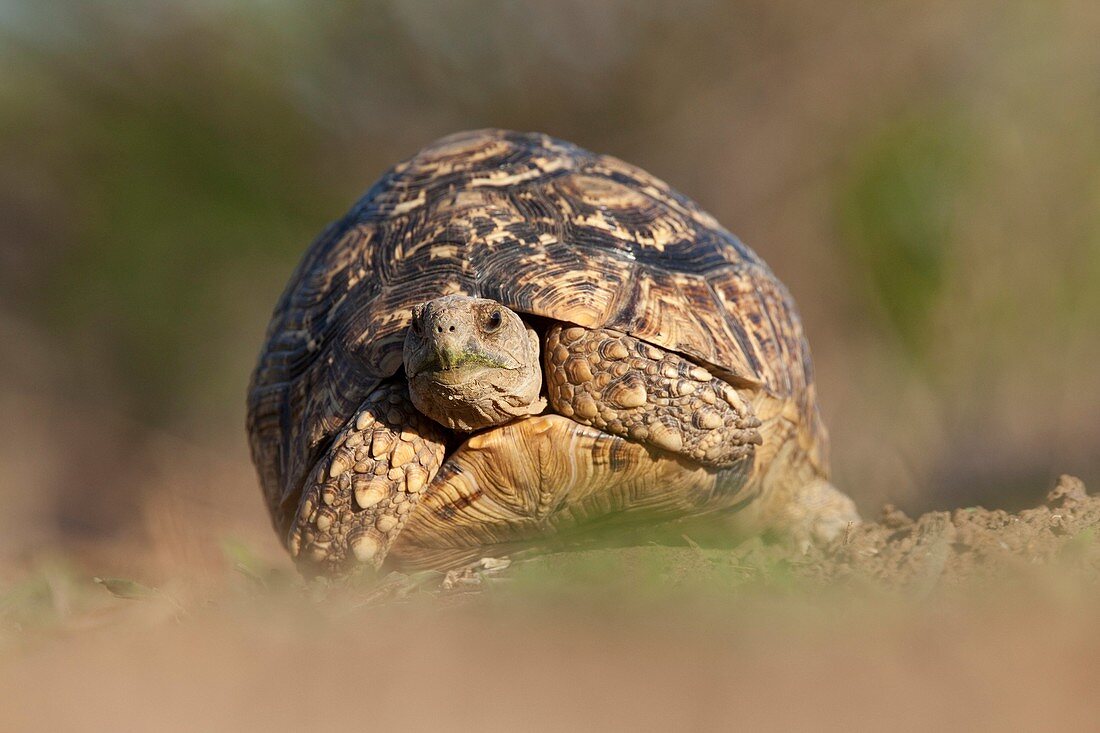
point(538, 224)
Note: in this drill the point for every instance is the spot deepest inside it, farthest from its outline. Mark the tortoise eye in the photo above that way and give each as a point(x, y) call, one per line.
point(414, 324)
point(493, 321)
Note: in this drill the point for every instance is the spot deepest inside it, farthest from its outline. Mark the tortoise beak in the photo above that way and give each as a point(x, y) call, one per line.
point(448, 355)
point(442, 357)
point(448, 352)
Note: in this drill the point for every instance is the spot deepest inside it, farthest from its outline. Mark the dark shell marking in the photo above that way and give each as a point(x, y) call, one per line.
point(545, 228)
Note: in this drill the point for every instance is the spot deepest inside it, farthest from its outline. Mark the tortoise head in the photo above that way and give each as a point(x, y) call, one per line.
point(472, 363)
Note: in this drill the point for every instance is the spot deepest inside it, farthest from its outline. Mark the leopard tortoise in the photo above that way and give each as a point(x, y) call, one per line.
point(511, 340)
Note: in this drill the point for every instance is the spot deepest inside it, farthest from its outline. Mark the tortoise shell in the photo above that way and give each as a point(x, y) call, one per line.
point(540, 225)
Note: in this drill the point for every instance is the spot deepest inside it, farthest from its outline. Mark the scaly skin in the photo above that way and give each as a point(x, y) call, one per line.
point(359, 496)
point(629, 388)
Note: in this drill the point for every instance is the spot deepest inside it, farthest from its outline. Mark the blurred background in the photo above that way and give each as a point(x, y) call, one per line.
point(924, 175)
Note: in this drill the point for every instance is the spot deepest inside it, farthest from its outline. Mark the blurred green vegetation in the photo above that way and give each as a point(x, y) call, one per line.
point(174, 177)
point(898, 214)
point(925, 177)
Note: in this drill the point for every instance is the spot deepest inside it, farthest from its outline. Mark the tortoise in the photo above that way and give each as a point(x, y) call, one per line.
point(512, 340)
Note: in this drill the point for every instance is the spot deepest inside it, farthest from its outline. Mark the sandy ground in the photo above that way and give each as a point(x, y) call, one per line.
point(969, 620)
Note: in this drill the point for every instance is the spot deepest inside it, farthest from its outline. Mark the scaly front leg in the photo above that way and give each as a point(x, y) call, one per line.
point(629, 388)
point(359, 495)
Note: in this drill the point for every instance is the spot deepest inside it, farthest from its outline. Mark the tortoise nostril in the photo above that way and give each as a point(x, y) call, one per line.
point(452, 328)
point(439, 329)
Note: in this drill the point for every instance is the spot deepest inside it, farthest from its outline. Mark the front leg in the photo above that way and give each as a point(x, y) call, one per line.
point(632, 389)
point(359, 495)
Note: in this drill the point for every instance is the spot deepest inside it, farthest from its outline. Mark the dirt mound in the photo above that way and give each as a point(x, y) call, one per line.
point(966, 545)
